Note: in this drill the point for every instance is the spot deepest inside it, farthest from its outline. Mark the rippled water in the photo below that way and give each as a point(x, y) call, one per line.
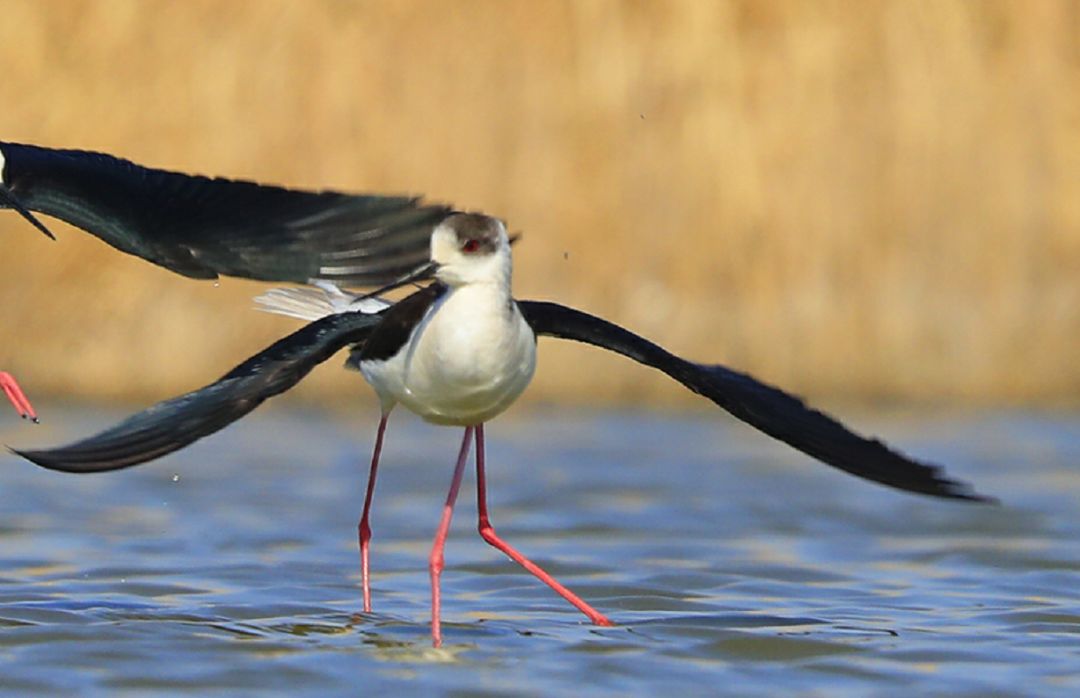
point(732, 564)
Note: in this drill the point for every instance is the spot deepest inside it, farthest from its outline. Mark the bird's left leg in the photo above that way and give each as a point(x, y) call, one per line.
point(17, 397)
point(487, 532)
point(364, 529)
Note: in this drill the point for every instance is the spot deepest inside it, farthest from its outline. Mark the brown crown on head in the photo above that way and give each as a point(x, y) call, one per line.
point(482, 229)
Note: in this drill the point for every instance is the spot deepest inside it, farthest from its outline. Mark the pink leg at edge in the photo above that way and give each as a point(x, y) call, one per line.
point(364, 529)
point(487, 532)
point(16, 396)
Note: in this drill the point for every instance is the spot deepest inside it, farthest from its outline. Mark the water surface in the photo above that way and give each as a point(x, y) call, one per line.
point(732, 564)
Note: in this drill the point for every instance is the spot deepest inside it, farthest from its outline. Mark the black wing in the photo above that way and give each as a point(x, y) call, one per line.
point(202, 227)
point(173, 424)
point(764, 407)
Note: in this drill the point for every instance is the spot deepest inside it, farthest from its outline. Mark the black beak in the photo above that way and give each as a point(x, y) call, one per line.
point(421, 273)
point(8, 200)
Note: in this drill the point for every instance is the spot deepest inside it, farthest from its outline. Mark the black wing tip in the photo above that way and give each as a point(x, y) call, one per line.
point(41, 226)
point(916, 476)
point(39, 458)
point(10, 201)
point(54, 460)
point(962, 491)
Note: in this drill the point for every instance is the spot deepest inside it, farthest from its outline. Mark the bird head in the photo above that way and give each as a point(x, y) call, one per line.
point(466, 248)
point(469, 248)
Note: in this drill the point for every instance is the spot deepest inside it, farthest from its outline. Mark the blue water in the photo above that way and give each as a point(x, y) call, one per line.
point(732, 564)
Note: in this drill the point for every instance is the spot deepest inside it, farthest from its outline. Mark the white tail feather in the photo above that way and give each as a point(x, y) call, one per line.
point(316, 303)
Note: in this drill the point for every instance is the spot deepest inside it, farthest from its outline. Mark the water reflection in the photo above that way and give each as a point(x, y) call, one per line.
point(727, 560)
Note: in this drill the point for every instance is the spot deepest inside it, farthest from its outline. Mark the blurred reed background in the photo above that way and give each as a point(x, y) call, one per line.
point(851, 199)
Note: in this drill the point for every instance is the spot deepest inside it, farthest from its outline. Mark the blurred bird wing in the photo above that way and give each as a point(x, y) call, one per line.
point(768, 409)
point(201, 227)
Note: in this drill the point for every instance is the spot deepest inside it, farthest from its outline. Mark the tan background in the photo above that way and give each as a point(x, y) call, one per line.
point(856, 199)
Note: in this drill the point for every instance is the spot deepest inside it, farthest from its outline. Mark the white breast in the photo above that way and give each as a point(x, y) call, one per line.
point(468, 360)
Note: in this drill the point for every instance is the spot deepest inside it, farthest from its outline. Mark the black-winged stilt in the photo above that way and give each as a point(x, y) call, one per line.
point(17, 397)
point(202, 228)
point(458, 352)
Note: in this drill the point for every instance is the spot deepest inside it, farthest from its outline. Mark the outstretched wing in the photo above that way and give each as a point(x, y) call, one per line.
point(202, 227)
point(173, 424)
point(764, 407)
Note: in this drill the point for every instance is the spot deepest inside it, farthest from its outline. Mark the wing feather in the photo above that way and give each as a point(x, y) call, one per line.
point(767, 408)
point(173, 424)
point(202, 227)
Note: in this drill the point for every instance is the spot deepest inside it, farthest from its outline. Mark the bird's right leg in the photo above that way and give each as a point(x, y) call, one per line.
point(436, 561)
point(16, 396)
point(364, 527)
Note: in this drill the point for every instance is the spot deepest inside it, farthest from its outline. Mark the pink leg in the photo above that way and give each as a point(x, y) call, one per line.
point(15, 395)
point(487, 532)
point(364, 528)
point(435, 562)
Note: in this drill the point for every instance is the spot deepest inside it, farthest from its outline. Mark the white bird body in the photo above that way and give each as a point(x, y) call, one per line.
point(467, 360)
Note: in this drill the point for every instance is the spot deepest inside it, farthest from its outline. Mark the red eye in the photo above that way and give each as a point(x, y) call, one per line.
point(470, 246)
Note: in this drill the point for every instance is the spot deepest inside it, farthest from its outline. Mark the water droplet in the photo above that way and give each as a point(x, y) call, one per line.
point(175, 477)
